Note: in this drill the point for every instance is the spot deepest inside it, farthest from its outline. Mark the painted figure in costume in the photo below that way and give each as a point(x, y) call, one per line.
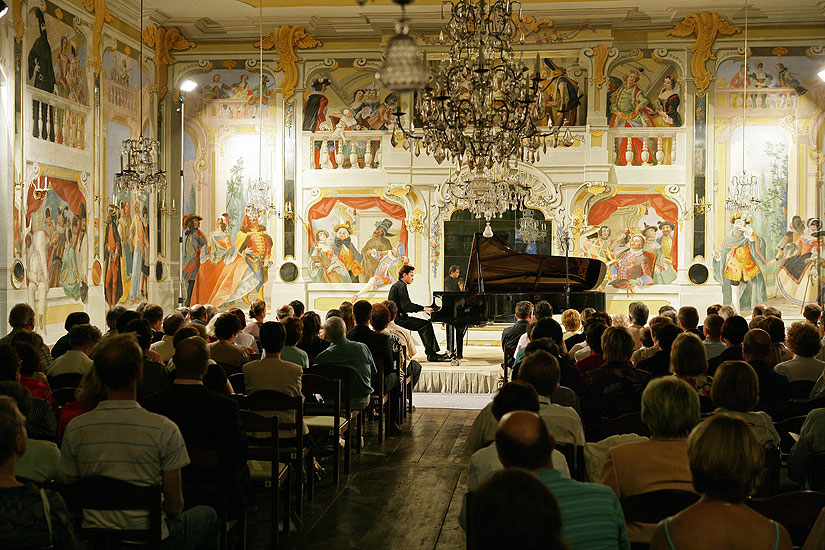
point(37, 274)
point(785, 79)
point(742, 78)
point(140, 256)
point(669, 103)
point(358, 102)
point(216, 89)
point(255, 246)
point(193, 242)
point(241, 89)
point(345, 123)
point(370, 104)
point(346, 251)
point(388, 263)
point(124, 228)
point(563, 100)
point(651, 242)
point(759, 77)
point(69, 276)
point(41, 73)
point(56, 246)
point(112, 246)
point(376, 246)
point(259, 92)
point(81, 250)
point(219, 246)
point(601, 247)
point(315, 105)
point(741, 265)
point(793, 277)
point(633, 267)
point(664, 271)
point(795, 230)
point(324, 265)
point(629, 107)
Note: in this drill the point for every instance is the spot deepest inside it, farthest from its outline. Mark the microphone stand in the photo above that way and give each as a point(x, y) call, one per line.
point(562, 234)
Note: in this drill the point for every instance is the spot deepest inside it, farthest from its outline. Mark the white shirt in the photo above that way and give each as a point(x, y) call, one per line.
point(40, 462)
point(73, 361)
point(523, 340)
point(405, 337)
point(713, 347)
point(165, 348)
point(801, 368)
point(246, 341)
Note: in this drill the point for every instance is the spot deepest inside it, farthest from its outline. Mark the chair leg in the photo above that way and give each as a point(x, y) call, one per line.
point(337, 457)
point(410, 397)
point(347, 449)
point(311, 474)
point(360, 431)
point(380, 421)
point(299, 486)
point(275, 505)
point(287, 513)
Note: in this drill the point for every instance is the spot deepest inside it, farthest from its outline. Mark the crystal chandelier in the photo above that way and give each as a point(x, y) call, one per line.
point(140, 174)
point(484, 197)
point(532, 230)
point(743, 191)
point(402, 70)
point(482, 106)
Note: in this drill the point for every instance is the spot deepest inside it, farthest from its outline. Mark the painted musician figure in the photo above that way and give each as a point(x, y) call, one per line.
point(401, 296)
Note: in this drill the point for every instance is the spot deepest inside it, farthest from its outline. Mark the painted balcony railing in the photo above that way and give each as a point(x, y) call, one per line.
point(119, 95)
point(57, 120)
point(758, 101)
point(646, 146)
point(354, 150)
point(232, 109)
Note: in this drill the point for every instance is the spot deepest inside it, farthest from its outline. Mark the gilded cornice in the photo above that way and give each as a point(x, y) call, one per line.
point(285, 39)
point(706, 26)
point(164, 41)
point(102, 15)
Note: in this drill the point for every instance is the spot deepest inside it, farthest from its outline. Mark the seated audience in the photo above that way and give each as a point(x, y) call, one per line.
point(591, 515)
point(283, 312)
point(563, 395)
point(582, 350)
point(713, 309)
point(726, 311)
point(125, 318)
point(669, 312)
point(775, 327)
point(380, 319)
point(257, 314)
point(31, 367)
point(129, 443)
point(663, 337)
point(712, 329)
point(42, 422)
point(154, 377)
point(645, 352)
point(41, 460)
point(272, 372)
point(646, 339)
point(803, 342)
point(215, 378)
point(773, 310)
point(183, 311)
point(333, 313)
point(243, 339)
point(670, 408)
point(733, 332)
point(165, 347)
point(725, 461)
point(37, 518)
point(514, 510)
point(294, 328)
point(688, 320)
point(154, 314)
point(346, 314)
point(378, 344)
point(549, 328)
point(735, 391)
point(571, 341)
point(542, 310)
point(773, 386)
point(310, 340)
point(352, 355)
point(808, 448)
point(758, 311)
point(88, 395)
point(571, 321)
point(400, 332)
point(510, 336)
point(63, 344)
point(207, 420)
point(593, 337)
point(224, 351)
point(21, 319)
point(76, 360)
point(297, 308)
point(688, 363)
point(111, 319)
point(639, 313)
point(620, 320)
point(812, 313)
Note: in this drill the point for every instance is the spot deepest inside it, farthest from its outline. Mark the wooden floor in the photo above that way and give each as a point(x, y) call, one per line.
point(404, 493)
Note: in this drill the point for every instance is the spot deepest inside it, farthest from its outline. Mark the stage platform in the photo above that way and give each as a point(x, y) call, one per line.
point(477, 373)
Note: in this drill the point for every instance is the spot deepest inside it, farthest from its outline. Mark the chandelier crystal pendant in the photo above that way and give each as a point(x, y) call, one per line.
point(402, 70)
point(140, 173)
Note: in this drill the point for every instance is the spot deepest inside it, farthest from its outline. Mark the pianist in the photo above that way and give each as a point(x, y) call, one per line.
point(401, 297)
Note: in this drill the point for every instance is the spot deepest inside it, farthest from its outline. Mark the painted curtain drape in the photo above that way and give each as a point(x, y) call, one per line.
point(323, 207)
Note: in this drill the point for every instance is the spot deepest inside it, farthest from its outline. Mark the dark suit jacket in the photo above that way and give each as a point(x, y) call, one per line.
point(728, 354)
point(61, 346)
point(155, 378)
point(698, 332)
point(774, 391)
point(657, 365)
point(401, 296)
point(511, 335)
point(379, 344)
point(451, 285)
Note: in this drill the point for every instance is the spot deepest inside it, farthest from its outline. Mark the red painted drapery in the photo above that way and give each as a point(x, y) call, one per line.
point(323, 207)
point(67, 190)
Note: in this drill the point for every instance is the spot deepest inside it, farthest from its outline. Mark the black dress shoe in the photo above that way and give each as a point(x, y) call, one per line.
point(440, 358)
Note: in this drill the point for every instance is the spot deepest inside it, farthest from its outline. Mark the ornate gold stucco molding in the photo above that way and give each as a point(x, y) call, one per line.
point(285, 39)
point(706, 26)
point(164, 41)
point(102, 15)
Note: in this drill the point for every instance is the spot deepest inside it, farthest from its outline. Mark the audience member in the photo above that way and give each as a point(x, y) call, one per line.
point(808, 448)
point(215, 378)
point(663, 337)
point(669, 312)
point(333, 313)
point(380, 320)
point(294, 328)
point(549, 328)
point(207, 420)
point(714, 309)
point(688, 318)
point(31, 374)
point(646, 339)
point(184, 312)
point(593, 336)
point(581, 350)
point(592, 514)
point(21, 319)
point(272, 372)
point(9, 363)
point(88, 395)
point(639, 313)
point(540, 369)
point(211, 311)
point(155, 377)
point(111, 319)
point(758, 311)
point(297, 308)
point(775, 328)
point(125, 318)
point(649, 351)
point(36, 517)
point(812, 313)
point(773, 386)
point(733, 332)
point(727, 311)
point(41, 460)
point(243, 339)
point(510, 336)
point(803, 342)
point(725, 461)
point(620, 320)
point(514, 510)
point(129, 443)
point(712, 329)
point(400, 332)
point(76, 360)
point(688, 363)
point(257, 314)
point(571, 321)
point(284, 312)
point(773, 310)
point(670, 409)
point(735, 390)
point(224, 351)
point(579, 336)
point(63, 345)
point(154, 314)
point(346, 314)
point(310, 340)
point(352, 355)
point(563, 395)
point(171, 324)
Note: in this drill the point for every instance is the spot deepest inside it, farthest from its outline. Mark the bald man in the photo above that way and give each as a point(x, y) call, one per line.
point(591, 514)
point(773, 386)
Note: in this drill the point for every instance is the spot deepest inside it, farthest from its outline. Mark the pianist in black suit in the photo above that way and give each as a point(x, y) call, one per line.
point(401, 297)
point(455, 341)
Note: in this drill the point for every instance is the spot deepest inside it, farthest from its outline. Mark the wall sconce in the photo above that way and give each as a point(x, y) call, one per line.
point(41, 187)
point(700, 206)
point(167, 211)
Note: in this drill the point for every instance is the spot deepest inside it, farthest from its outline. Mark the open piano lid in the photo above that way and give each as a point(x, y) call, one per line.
point(495, 267)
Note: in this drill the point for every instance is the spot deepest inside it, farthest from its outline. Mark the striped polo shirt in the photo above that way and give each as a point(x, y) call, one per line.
point(122, 440)
point(591, 516)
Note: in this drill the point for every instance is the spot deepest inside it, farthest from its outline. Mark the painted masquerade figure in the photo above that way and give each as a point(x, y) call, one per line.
point(741, 264)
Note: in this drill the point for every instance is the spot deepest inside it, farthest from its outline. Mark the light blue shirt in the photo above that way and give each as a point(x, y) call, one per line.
point(295, 355)
point(355, 356)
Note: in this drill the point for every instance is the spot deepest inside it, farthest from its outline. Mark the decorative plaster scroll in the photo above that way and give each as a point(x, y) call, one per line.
point(102, 15)
point(779, 51)
point(815, 51)
point(637, 54)
point(400, 193)
point(706, 26)
point(205, 65)
point(330, 63)
point(360, 64)
point(17, 16)
point(284, 39)
point(164, 41)
point(600, 54)
point(530, 24)
point(229, 64)
point(673, 193)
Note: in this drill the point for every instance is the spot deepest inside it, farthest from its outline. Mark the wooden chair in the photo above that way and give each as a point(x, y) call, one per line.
point(105, 493)
point(625, 424)
point(574, 454)
point(800, 389)
point(336, 372)
point(291, 446)
point(326, 419)
point(204, 482)
point(229, 368)
point(655, 506)
point(768, 484)
point(267, 470)
point(237, 381)
point(796, 511)
point(405, 404)
point(816, 473)
point(787, 427)
point(509, 361)
point(67, 380)
point(381, 400)
point(64, 395)
point(804, 406)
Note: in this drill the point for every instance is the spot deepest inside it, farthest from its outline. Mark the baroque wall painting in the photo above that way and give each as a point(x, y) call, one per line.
point(644, 94)
point(56, 68)
point(636, 235)
point(360, 240)
point(564, 88)
point(55, 239)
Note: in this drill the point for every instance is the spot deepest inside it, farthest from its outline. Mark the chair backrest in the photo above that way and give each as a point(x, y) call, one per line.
point(509, 356)
point(617, 403)
point(800, 389)
point(785, 428)
point(625, 424)
point(816, 473)
point(254, 356)
point(262, 444)
point(237, 381)
point(804, 406)
point(229, 368)
point(104, 493)
point(796, 511)
point(331, 390)
point(64, 395)
point(655, 506)
point(377, 381)
point(268, 400)
point(67, 380)
point(336, 372)
point(204, 479)
point(574, 454)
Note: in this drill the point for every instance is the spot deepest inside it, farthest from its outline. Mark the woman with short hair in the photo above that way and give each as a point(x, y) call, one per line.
point(735, 390)
point(725, 460)
point(689, 362)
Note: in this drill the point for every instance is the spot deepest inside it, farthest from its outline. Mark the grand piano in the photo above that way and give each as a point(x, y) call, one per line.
point(498, 277)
